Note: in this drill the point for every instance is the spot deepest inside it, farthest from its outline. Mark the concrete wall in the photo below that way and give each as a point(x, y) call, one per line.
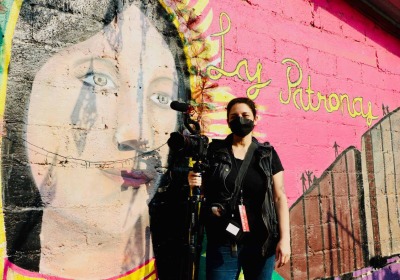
point(85, 117)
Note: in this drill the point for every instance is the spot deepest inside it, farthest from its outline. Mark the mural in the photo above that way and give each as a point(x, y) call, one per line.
point(85, 94)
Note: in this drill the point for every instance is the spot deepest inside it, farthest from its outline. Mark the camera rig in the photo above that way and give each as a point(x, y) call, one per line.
point(193, 145)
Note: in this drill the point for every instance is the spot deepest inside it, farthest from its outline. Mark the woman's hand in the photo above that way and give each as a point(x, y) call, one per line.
point(194, 179)
point(282, 252)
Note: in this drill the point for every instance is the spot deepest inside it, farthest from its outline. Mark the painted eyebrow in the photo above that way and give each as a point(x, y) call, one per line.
point(106, 61)
point(163, 79)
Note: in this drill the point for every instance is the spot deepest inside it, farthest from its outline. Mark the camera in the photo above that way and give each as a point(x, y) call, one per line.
point(191, 143)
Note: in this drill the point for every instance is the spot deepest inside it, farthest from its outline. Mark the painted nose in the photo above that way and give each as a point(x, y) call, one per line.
point(129, 133)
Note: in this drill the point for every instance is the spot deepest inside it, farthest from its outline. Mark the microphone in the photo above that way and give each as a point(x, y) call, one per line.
point(180, 106)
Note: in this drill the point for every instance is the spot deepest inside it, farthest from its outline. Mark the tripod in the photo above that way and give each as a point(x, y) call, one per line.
point(196, 229)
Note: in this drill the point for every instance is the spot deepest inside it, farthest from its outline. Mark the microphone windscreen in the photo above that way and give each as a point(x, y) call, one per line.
point(179, 106)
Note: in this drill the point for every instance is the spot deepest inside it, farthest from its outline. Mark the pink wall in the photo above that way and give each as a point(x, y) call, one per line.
point(344, 55)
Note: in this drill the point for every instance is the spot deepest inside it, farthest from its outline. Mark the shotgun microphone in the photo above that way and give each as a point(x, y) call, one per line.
point(180, 106)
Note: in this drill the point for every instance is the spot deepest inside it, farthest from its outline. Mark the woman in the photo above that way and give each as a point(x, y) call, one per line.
point(235, 242)
point(87, 119)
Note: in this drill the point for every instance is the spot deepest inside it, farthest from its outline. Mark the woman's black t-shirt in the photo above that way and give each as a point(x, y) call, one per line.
point(253, 193)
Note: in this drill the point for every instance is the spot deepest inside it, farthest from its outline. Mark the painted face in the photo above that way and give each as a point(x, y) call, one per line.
point(98, 122)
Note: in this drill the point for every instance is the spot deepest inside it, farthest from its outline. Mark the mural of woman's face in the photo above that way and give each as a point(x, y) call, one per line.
point(97, 123)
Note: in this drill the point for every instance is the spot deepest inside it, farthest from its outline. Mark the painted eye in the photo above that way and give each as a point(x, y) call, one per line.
point(161, 99)
point(98, 80)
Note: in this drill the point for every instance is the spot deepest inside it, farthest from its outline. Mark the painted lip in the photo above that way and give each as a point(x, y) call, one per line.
point(133, 178)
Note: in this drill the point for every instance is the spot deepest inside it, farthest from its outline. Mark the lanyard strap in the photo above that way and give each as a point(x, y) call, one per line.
point(242, 172)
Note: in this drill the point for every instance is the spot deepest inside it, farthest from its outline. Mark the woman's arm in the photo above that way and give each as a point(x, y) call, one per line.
point(283, 248)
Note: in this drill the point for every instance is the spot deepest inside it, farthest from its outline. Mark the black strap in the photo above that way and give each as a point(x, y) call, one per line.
point(242, 172)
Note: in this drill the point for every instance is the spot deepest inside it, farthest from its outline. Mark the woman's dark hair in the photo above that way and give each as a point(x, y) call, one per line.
point(243, 100)
point(44, 28)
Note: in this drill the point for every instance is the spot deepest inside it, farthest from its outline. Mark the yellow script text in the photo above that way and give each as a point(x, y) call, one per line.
point(216, 73)
point(303, 99)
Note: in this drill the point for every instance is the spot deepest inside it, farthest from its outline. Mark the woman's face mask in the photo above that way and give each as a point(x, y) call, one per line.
point(241, 126)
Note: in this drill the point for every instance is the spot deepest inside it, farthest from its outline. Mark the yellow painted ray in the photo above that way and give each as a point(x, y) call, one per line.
point(200, 6)
point(222, 95)
point(206, 22)
point(213, 46)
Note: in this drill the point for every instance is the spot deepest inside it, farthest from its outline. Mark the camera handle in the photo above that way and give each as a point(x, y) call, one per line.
point(188, 122)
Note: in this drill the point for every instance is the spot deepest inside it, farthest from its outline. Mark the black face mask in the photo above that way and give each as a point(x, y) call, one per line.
point(241, 126)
